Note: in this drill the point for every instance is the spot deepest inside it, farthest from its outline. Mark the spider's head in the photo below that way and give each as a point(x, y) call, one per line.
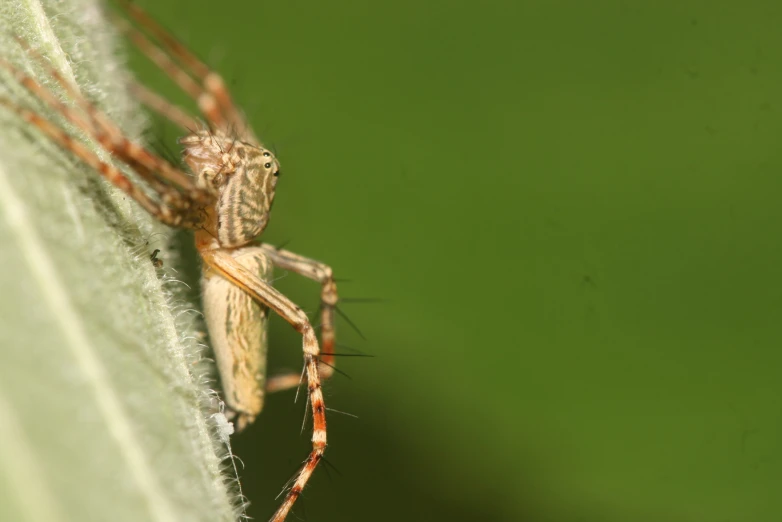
point(241, 175)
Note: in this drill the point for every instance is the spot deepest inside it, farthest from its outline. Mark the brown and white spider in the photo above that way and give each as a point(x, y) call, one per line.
point(225, 199)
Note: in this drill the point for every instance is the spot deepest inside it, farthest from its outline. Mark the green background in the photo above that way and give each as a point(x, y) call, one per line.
point(571, 210)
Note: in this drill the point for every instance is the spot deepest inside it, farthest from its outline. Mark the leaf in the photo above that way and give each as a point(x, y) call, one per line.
point(103, 396)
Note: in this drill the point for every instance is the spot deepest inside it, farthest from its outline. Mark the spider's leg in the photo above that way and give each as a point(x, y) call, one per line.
point(152, 168)
point(101, 126)
point(165, 108)
point(321, 273)
point(160, 211)
point(222, 262)
point(192, 75)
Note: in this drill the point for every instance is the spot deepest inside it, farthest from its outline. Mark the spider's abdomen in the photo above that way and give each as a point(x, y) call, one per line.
point(238, 331)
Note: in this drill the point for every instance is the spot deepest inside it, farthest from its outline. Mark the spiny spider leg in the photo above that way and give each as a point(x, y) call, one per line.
point(101, 125)
point(168, 110)
point(221, 261)
point(45, 95)
point(191, 74)
point(149, 166)
point(321, 273)
point(112, 174)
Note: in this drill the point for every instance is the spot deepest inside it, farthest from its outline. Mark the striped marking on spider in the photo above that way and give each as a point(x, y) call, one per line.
point(225, 199)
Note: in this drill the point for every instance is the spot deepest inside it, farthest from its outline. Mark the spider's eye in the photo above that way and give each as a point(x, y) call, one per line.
point(276, 173)
point(266, 154)
point(268, 166)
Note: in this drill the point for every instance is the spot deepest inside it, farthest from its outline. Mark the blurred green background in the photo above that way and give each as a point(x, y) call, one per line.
point(571, 210)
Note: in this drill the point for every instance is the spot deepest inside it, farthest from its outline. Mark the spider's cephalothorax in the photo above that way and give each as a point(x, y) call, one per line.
point(242, 178)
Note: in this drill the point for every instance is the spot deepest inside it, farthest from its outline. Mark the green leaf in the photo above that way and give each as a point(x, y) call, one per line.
point(104, 403)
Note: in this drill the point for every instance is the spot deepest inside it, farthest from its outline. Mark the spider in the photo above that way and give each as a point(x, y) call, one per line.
point(225, 199)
